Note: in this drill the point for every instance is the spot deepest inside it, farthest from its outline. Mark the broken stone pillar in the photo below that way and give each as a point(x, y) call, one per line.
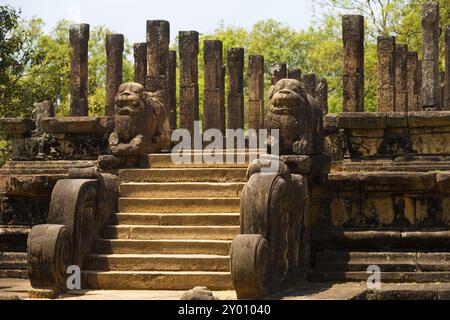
point(295, 74)
point(322, 95)
point(401, 90)
point(140, 62)
point(353, 37)
point(386, 74)
point(430, 97)
point(412, 81)
point(214, 92)
point(189, 113)
point(236, 88)
point(114, 68)
point(310, 84)
point(79, 40)
point(447, 69)
point(277, 72)
point(158, 38)
point(172, 90)
point(255, 92)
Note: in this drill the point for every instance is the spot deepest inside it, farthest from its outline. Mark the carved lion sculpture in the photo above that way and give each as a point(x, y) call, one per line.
point(297, 116)
point(138, 126)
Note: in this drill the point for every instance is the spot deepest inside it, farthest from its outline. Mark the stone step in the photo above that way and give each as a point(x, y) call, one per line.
point(158, 262)
point(171, 205)
point(215, 247)
point(183, 175)
point(13, 238)
point(199, 160)
point(387, 277)
point(187, 219)
point(390, 240)
point(13, 260)
point(174, 233)
point(387, 261)
point(13, 274)
point(63, 164)
point(181, 190)
point(158, 280)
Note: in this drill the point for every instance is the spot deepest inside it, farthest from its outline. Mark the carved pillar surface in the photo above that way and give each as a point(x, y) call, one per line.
point(188, 79)
point(140, 62)
point(295, 74)
point(158, 39)
point(310, 83)
point(79, 39)
point(236, 88)
point(401, 96)
point(430, 97)
point(277, 72)
point(447, 69)
point(353, 37)
point(412, 81)
point(256, 92)
point(114, 68)
point(173, 90)
point(386, 74)
point(214, 92)
point(322, 95)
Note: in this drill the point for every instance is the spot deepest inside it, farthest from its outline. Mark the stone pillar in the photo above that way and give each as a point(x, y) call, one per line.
point(277, 72)
point(79, 40)
point(255, 92)
point(353, 37)
point(430, 97)
point(322, 95)
point(401, 89)
point(172, 90)
point(447, 69)
point(114, 68)
point(295, 74)
point(419, 84)
point(412, 81)
point(236, 88)
point(158, 38)
point(140, 62)
point(189, 112)
point(214, 92)
point(386, 74)
point(310, 83)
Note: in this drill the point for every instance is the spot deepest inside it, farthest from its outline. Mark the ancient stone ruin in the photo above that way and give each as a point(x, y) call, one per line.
point(351, 190)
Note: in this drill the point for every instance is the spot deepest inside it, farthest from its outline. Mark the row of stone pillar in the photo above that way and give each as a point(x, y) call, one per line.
point(405, 83)
point(151, 64)
point(155, 68)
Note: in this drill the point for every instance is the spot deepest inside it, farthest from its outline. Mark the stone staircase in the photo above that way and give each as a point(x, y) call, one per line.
point(415, 256)
point(174, 228)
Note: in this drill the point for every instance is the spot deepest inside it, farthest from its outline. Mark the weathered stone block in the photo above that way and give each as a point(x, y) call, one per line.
point(17, 127)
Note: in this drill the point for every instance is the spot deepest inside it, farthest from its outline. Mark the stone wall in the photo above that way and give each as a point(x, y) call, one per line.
point(389, 136)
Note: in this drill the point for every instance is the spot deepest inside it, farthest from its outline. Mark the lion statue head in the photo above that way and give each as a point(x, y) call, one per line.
point(286, 97)
point(130, 99)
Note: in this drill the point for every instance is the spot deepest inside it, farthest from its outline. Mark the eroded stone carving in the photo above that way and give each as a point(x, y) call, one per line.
point(138, 126)
point(297, 116)
point(266, 256)
point(79, 208)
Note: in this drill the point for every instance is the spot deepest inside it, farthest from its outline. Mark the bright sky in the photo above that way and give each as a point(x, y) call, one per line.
point(129, 16)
